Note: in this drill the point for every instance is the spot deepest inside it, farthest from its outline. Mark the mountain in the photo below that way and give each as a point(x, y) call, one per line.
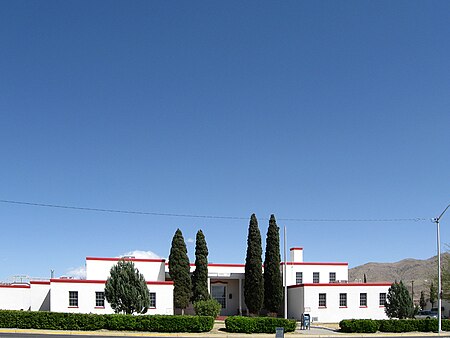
point(409, 270)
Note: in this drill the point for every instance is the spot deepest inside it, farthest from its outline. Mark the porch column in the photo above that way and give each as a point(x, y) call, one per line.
point(240, 297)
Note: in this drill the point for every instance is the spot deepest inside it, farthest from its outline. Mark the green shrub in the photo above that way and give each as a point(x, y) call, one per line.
point(210, 307)
point(164, 323)
point(359, 325)
point(240, 324)
point(392, 325)
point(400, 325)
point(92, 322)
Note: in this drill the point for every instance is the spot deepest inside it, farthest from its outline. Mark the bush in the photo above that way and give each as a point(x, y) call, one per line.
point(392, 325)
point(210, 307)
point(359, 325)
point(400, 325)
point(92, 322)
point(240, 324)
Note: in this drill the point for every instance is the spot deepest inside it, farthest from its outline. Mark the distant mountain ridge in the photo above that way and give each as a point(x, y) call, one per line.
point(409, 270)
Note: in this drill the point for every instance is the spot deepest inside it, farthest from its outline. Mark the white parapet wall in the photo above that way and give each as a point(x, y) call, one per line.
point(40, 295)
point(14, 297)
point(99, 268)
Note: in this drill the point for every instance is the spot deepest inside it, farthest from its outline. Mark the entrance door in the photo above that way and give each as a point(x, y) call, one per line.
point(219, 293)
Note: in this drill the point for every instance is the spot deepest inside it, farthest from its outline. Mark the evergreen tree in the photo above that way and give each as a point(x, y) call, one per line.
point(365, 278)
point(200, 275)
point(179, 271)
point(398, 302)
point(254, 284)
point(126, 289)
point(273, 287)
point(422, 302)
point(433, 294)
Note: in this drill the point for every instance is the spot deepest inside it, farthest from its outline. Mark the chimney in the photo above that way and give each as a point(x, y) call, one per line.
point(296, 255)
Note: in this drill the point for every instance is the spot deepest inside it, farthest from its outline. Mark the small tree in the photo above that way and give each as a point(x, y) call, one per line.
point(179, 271)
point(200, 274)
point(254, 284)
point(433, 294)
point(398, 302)
point(273, 287)
point(422, 301)
point(126, 289)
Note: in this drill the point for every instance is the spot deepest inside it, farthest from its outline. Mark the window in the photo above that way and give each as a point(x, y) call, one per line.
point(99, 299)
point(316, 277)
point(343, 299)
point(363, 299)
point(382, 299)
point(332, 277)
point(218, 292)
point(322, 299)
point(73, 298)
point(152, 300)
point(299, 278)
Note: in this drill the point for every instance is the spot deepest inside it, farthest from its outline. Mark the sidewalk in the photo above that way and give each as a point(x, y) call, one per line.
point(218, 331)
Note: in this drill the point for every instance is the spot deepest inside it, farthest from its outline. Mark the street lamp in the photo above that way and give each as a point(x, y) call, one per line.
point(436, 220)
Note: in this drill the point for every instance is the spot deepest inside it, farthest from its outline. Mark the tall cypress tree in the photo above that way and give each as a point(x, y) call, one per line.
point(179, 271)
point(200, 275)
point(273, 287)
point(254, 284)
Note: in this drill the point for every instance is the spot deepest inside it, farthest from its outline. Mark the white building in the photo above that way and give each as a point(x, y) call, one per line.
point(320, 289)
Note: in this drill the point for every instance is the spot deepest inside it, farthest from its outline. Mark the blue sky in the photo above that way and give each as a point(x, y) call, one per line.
point(305, 109)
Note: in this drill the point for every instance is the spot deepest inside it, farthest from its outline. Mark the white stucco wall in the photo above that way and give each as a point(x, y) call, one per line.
point(308, 268)
point(14, 297)
point(40, 295)
point(333, 313)
point(86, 296)
point(99, 268)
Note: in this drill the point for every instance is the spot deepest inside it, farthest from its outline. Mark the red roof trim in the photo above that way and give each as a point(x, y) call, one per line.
point(91, 281)
point(338, 284)
point(299, 248)
point(15, 286)
point(40, 282)
point(160, 283)
point(68, 280)
point(315, 263)
point(114, 259)
point(227, 265)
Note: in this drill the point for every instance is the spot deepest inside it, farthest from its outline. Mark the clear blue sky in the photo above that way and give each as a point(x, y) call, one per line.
point(304, 109)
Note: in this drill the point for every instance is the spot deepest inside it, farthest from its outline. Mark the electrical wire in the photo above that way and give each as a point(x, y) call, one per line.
point(137, 212)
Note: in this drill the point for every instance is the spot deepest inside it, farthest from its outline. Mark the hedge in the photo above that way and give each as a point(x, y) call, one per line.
point(92, 322)
point(392, 325)
point(239, 324)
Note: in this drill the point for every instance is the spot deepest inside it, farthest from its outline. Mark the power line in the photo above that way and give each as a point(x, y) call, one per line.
point(137, 212)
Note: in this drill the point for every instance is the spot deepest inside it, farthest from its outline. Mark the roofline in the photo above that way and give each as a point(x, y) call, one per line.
point(298, 248)
point(15, 286)
point(337, 284)
point(40, 282)
point(97, 281)
point(315, 263)
point(116, 259)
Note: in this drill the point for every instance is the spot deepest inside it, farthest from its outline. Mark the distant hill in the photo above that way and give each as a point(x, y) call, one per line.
point(421, 272)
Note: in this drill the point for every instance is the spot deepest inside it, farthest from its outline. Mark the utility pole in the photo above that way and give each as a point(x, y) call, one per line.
point(436, 220)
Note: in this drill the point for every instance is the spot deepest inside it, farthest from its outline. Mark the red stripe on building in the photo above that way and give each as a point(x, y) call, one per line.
point(113, 259)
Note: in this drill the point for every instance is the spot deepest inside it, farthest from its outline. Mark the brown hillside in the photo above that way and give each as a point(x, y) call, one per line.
point(421, 272)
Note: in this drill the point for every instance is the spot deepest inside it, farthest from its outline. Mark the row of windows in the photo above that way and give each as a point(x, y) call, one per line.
point(343, 299)
point(100, 299)
point(316, 277)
